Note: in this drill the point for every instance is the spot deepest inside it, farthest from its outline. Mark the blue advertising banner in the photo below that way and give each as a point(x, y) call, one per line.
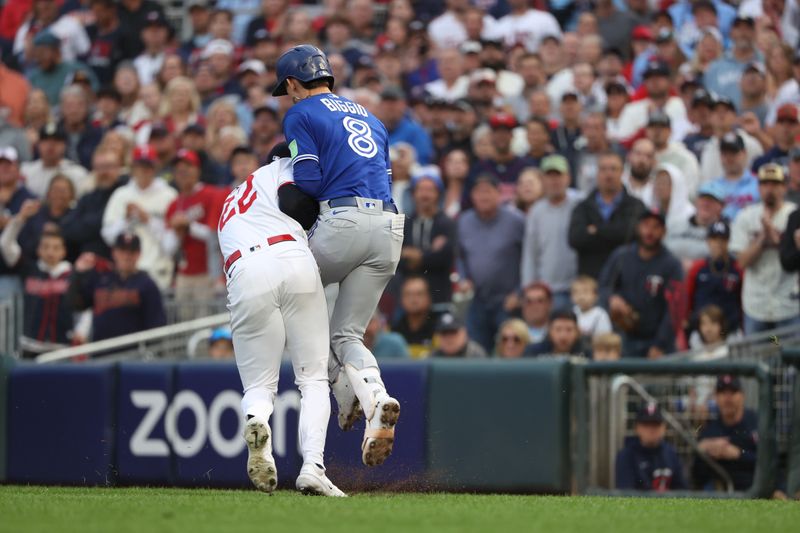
point(181, 424)
point(60, 424)
point(144, 456)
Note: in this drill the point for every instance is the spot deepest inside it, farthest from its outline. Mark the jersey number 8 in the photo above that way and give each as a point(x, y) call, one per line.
point(360, 139)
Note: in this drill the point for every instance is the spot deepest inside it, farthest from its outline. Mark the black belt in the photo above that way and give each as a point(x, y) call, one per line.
point(350, 201)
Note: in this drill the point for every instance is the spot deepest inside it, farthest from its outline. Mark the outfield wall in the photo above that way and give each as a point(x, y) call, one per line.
point(465, 425)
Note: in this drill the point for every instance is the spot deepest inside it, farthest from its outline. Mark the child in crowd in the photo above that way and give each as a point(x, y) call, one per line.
point(48, 315)
point(606, 347)
point(592, 319)
point(712, 329)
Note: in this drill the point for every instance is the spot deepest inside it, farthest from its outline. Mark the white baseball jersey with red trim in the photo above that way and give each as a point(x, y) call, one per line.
point(251, 214)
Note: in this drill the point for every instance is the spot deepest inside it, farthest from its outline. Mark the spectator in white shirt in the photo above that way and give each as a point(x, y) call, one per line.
point(449, 30)
point(140, 207)
point(453, 84)
point(52, 146)
point(155, 36)
point(526, 26)
point(672, 152)
point(769, 293)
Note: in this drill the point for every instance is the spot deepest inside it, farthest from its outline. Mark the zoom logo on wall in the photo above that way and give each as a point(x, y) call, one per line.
point(207, 423)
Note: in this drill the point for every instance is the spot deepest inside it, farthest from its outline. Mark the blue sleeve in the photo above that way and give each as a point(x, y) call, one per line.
point(625, 478)
point(308, 177)
point(298, 132)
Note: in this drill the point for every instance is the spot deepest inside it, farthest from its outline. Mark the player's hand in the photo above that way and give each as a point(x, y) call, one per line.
point(85, 262)
point(654, 353)
point(28, 209)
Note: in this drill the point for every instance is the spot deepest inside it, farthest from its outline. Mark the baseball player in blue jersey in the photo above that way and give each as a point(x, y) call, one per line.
point(340, 157)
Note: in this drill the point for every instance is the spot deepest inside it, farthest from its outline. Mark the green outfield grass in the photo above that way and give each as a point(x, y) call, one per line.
point(58, 509)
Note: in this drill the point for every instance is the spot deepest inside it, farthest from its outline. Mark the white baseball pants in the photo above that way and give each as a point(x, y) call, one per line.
point(277, 304)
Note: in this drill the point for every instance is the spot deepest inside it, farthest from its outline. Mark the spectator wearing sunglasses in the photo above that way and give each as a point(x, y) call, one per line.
point(512, 339)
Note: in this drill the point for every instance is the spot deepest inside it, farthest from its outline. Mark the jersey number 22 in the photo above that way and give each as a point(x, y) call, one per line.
point(240, 207)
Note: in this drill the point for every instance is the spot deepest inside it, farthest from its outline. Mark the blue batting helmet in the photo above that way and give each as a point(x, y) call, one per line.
point(303, 63)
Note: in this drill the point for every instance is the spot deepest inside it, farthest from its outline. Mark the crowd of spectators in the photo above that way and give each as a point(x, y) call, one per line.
point(577, 177)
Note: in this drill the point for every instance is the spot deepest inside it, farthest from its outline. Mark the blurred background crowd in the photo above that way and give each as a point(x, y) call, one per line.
point(607, 178)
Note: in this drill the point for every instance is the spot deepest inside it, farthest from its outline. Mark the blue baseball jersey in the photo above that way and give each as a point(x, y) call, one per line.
point(348, 142)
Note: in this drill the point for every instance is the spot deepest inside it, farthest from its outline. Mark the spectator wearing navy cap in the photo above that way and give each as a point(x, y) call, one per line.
point(155, 34)
point(647, 462)
point(725, 121)
point(452, 340)
point(716, 279)
point(123, 299)
point(687, 238)
point(785, 134)
point(393, 112)
point(700, 114)
point(429, 237)
point(643, 282)
point(657, 83)
point(134, 13)
point(731, 439)
point(723, 75)
point(769, 294)
point(737, 183)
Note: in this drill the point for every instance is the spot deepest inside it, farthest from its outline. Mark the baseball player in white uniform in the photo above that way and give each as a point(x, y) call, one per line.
point(277, 304)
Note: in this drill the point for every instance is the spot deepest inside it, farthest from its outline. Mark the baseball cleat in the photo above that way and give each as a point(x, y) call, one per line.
point(379, 433)
point(312, 481)
point(260, 464)
point(348, 409)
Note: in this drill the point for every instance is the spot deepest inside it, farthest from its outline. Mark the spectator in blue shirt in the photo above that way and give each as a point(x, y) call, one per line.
point(393, 113)
point(648, 462)
point(739, 185)
point(723, 75)
point(690, 17)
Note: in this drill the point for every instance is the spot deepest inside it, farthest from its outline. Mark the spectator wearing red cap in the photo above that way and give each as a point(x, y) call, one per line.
point(785, 134)
point(191, 221)
point(139, 207)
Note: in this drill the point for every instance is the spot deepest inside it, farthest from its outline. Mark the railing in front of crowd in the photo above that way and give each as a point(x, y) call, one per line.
point(10, 324)
point(173, 341)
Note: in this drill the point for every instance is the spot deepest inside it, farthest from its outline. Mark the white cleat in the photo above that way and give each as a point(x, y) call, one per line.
point(379, 433)
point(348, 408)
point(260, 464)
point(312, 481)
